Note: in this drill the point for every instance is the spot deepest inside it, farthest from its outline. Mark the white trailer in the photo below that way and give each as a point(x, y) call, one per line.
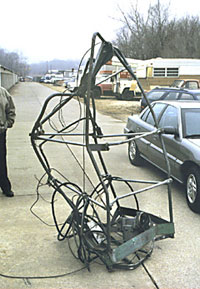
point(163, 71)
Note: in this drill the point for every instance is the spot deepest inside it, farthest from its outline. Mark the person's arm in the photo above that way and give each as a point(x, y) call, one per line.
point(10, 111)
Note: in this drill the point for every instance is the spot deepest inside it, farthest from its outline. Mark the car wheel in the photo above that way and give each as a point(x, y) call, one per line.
point(127, 94)
point(193, 189)
point(134, 154)
point(118, 96)
point(97, 92)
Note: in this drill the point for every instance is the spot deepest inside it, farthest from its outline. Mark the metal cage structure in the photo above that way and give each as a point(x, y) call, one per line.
point(97, 223)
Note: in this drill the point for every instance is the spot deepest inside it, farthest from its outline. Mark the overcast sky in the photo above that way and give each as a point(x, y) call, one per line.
point(43, 30)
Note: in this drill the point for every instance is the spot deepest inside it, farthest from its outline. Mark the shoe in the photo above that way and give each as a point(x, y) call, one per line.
point(9, 194)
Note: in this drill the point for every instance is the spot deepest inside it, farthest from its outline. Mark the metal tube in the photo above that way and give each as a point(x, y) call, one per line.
point(141, 190)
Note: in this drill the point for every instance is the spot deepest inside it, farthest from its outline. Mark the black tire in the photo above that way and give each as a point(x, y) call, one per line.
point(127, 94)
point(97, 92)
point(118, 96)
point(193, 189)
point(134, 154)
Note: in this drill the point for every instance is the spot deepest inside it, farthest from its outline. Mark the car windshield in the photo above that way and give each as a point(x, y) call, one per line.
point(155, 95)
point(191, 120)
point(177, 83)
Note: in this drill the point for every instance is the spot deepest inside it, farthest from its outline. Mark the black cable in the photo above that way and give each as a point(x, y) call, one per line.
point(69, 148)
point(41, 277)
point(38, 195)
point(70, 203)
point(61, 118)
point(131, 189)
point(37, 200)
point(148, 273)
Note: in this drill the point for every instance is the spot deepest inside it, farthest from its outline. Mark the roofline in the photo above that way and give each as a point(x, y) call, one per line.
point(5, 68)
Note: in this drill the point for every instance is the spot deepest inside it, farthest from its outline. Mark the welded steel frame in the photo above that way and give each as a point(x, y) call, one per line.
point(160, 228)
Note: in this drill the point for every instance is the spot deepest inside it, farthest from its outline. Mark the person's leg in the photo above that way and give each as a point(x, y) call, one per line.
point(4, 181)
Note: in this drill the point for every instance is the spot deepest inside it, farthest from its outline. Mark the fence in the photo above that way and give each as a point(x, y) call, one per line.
point(7, 77)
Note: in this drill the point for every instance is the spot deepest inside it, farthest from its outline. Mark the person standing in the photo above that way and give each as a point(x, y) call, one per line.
point(7, 119)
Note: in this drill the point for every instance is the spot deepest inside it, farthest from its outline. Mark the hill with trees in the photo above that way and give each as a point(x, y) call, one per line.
point(42, 67)
point(14, 62)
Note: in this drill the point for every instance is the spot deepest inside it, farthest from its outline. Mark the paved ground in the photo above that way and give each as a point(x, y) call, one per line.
point(29, 248)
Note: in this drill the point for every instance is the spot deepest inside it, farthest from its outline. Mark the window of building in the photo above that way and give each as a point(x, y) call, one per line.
point(159, 72)
point(165, 71)
point(173, 72)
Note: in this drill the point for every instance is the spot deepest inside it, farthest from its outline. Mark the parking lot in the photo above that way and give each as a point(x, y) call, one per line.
point(30, 254)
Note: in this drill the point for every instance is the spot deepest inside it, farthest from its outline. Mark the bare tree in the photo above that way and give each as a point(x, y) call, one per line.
point(156, 35)
point(156, 30)
point(14, 61)
point(130, 38)
point(188, 37)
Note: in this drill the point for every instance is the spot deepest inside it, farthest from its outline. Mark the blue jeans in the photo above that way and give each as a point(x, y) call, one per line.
point(5, 184)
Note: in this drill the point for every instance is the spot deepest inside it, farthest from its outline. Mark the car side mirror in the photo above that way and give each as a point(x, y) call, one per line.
point(171, 130)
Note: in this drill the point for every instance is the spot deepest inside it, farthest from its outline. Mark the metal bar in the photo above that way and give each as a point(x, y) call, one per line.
point(91, 70)
point(133, 245)
point(139, 241)
point(141, 190)
point(60, 141)
point(38, 121)
point(134, 181)
point(110, 76)
point(105, 144)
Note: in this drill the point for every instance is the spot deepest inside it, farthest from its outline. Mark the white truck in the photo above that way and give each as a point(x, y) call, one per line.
point(71, 83)
point(112, 79)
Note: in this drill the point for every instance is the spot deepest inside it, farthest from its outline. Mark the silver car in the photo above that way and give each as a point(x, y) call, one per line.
point(181, 124)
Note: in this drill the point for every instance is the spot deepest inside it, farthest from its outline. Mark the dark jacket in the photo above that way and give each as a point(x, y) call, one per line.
point(7, 110)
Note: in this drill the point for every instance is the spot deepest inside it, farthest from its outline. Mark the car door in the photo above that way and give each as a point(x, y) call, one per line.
point(147, 124)
point(169, 118)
